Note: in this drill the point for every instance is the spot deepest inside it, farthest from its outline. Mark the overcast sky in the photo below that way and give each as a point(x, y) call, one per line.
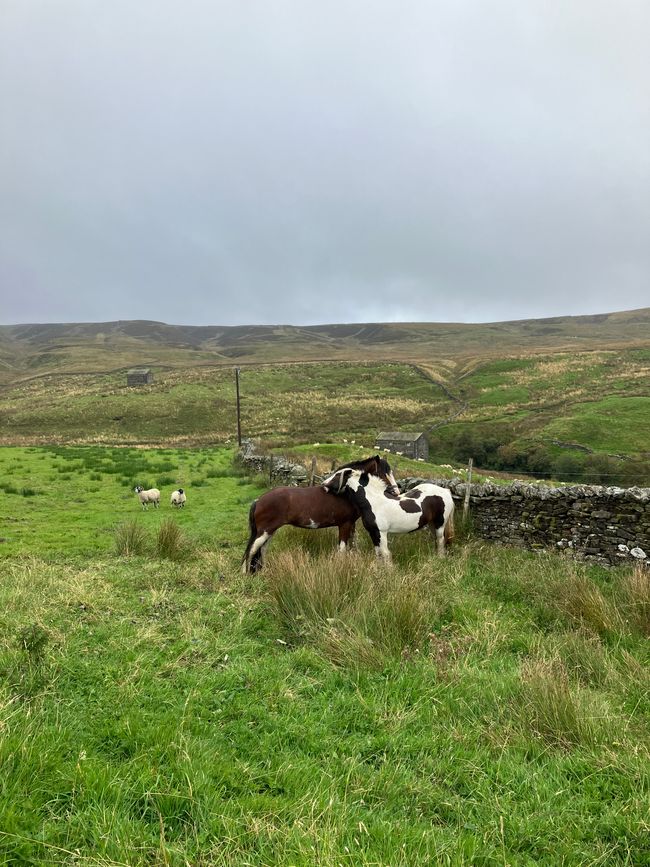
point(298, 162)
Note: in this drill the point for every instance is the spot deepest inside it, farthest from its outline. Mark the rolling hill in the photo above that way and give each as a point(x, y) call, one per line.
point(28, 350)
point(568, 395)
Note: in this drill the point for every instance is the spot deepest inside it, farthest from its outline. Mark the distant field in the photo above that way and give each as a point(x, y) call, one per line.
point(567, 398)
point(548, 413)
point(197, 405)
point(489, 708)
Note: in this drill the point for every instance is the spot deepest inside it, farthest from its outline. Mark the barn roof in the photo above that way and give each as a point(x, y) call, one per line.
point(139, 370)
point(400, 436)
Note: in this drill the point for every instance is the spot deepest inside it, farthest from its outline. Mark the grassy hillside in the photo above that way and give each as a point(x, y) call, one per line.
point(295, 402)
point(571, 409)
point(487, 708)
point(568, 396)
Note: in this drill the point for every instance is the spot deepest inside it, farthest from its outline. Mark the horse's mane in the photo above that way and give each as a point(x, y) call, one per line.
point(361, 465)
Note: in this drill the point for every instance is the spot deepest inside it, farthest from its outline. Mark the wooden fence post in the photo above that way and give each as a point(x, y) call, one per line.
point(313, 470)
point(467, 489)
point(271, 470)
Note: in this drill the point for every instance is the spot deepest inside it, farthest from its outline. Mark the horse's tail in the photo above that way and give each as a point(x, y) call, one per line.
point(449, 527)
point(246, 566)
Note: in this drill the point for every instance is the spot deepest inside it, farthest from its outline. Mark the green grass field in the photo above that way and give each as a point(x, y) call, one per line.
point(62, 501)
point(294, 402)
point(489, 708)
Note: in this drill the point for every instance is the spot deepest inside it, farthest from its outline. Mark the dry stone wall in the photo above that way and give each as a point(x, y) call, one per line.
point(601, 524)
point(279, 469)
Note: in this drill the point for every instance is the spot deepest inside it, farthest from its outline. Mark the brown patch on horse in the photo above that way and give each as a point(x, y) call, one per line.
point(409, 506)
point(433, 511)
point(415, 495)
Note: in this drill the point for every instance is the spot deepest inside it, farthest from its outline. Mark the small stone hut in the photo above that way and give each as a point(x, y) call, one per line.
point(412, 445)
point(139, 376)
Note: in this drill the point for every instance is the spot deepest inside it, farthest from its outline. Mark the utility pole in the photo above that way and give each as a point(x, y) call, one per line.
point(468, 489)
point(237, 372)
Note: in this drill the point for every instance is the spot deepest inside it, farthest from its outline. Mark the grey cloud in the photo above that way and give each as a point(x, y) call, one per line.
point(303, 162)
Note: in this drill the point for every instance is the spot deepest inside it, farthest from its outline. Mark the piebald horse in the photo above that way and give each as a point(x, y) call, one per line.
point(384, 512)
point(310, 508)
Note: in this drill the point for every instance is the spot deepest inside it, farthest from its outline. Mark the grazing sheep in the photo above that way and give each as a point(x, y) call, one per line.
point(179, 498)
point(146, 497)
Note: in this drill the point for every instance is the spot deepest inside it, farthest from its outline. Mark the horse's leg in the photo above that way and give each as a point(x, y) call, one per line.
point(375, 536)
point(439, 533)
point(383, 551)
point(346, 536)
point(261, 554)
point(255, 555)
point(252, 558)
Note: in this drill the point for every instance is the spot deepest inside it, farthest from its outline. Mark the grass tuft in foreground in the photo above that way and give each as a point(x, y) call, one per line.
point(171, 543)
point(131, 539)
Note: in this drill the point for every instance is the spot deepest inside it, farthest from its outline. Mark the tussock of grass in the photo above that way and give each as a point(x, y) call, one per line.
point(552, 708)
point(583, 656)
point(131, 539)
point(354, 609)
point(171, 543)
point(635, 599)
point(579, 599)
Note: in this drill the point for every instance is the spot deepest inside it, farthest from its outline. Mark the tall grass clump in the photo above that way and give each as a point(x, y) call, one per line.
point(131, 539)
point(171, 543)
point(553, 708)
point(634, 599)
point(580, 599)
point(583, 655)
point(355, 611)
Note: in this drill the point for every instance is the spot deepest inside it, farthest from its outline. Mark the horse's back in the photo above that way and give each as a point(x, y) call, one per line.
point(303, 507)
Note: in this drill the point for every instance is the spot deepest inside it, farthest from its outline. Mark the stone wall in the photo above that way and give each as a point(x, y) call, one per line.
point(605, 525)
point(279, 470)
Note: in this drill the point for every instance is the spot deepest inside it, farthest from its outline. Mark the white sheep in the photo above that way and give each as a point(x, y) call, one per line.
point(146, 497)
point(179, 498)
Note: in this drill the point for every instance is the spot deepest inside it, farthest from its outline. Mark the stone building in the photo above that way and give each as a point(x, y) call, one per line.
point(412, 445)
point(139, 376)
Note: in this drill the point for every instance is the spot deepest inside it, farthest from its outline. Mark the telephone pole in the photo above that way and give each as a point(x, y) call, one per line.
point(237, 372)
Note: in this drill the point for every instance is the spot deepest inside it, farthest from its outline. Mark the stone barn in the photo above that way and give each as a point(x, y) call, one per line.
point(139, 376)
point(412, 445)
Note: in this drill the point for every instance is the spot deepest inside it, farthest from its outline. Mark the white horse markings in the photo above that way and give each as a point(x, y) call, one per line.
point(384, 512)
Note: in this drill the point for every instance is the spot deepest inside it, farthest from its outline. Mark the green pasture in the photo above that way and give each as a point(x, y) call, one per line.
point(68, 500)
point(598, 399)
point(488, 708)
point(614, 424)
point(62, 501)
point(294, 402)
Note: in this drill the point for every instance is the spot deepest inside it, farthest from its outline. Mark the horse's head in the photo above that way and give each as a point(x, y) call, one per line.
point(375, 466)
point(383, 471)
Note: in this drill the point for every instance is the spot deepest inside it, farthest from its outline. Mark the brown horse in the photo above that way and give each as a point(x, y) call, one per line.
point(311, 508)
